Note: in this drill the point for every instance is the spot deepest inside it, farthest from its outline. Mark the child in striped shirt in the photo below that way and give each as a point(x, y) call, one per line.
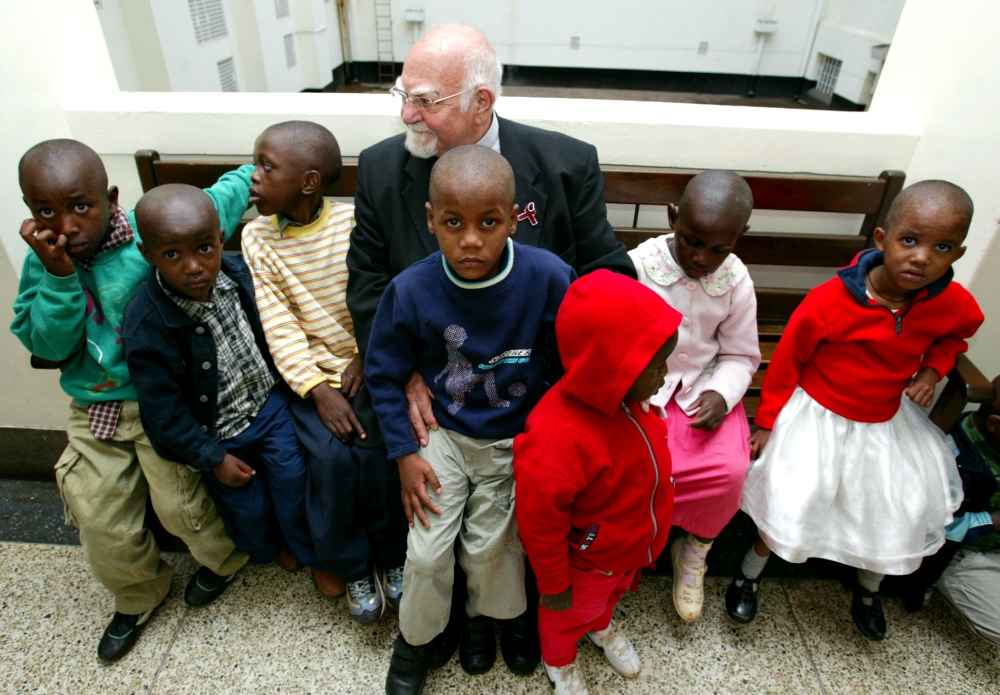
point(297, 252)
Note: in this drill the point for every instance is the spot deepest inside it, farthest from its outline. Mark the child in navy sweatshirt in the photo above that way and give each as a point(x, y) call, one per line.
point(474, 320)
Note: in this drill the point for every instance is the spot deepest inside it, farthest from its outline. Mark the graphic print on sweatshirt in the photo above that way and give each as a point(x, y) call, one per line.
point(463, 377)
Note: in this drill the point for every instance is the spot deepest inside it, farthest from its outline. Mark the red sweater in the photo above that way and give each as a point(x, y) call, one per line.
point(593, 473)
point(854, 356)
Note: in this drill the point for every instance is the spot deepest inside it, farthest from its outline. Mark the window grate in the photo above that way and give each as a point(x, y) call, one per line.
point(290, 50)
point(281, 8)
point(208, 19)
point(227, 75)
point(829, 71)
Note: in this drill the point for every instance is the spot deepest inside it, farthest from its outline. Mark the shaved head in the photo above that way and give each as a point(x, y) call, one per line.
point(931, 196)
point(169, 209)
point(313, 147)
point(468, 55)
point(473, 168)
point(63, 155)
point(720, 193)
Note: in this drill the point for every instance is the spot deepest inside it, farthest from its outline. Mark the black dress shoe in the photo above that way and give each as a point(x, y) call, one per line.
point(477, 650)
point(121, 635)
point(205, 586)
point(519, 643)
point(444, 646)
point(867, 613)
point(407, 669)
point(741, 597)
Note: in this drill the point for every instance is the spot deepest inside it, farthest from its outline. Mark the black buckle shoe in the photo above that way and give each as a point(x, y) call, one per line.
point(868, 616)
point(407, 668)
point(121, 635)
point(741, 598)
point(444, 646)
point(477, 650)
point(205, 586)
point(519, 644)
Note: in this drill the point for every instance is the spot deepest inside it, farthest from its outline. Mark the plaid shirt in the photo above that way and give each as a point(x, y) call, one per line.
point(245, 381)
point(103, 417)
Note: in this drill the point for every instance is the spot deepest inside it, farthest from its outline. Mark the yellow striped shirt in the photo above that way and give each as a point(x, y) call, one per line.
point(300, 282)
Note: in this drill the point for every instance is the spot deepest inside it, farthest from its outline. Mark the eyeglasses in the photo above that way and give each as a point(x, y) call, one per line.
point(423, 103)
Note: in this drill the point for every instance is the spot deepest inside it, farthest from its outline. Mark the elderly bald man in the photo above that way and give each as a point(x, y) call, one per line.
point(448, 88)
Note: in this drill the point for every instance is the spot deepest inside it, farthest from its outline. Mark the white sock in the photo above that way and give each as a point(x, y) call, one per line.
point(753, 564)
point(870, 580)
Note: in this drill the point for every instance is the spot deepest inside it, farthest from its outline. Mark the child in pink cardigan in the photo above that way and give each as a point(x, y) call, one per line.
point(717, 354)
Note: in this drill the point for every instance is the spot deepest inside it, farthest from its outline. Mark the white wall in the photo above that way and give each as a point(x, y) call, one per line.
point(116, 34)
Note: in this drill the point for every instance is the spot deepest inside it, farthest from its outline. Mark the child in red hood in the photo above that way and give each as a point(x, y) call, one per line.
point(592, 470)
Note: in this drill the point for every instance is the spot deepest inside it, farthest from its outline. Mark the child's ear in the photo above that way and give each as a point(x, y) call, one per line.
point(430, 217)
point(880, 235)
point(513, 218)
point(113, 196)
point(311, 182)
point(672, 213)
point(145, 254)
point(222, 235)
point(958, 254)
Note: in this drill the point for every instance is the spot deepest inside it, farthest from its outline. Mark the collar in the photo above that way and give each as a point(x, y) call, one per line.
point(492, 137)
point(121, 233)
point(282, 221)
point(164, 299)
point(853, 276)
point(482, 284)
point(662, 269)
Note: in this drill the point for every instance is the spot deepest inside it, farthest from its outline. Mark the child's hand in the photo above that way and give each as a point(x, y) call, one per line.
point(353, 378)
point(921, 388)
point(415, 474)
point(558, 602)
point(711, 407)
point(336, 413)
point(49, 246)
point(418, 401)
point(233, 472)
point(758, 440)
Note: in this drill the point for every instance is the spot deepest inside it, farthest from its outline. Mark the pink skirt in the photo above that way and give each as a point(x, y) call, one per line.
point(709, 468)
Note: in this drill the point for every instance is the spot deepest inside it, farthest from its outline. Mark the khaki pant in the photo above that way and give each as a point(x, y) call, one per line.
point(972, 584)
point(104, 484)
point(477, 507)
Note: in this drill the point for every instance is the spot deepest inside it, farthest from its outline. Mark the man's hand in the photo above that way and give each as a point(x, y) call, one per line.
point(335, 412)
point(233, 472)
point(758, 440)
point(415, 474)
point(49, 246)
point(711, 407)
point(353, 378)
point(418, 402)
point(921, 388)
point(558, 602)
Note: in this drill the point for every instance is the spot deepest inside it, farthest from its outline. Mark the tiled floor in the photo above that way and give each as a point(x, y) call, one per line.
point(272, 633)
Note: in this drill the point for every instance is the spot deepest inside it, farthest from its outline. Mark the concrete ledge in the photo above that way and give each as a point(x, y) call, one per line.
point(30, 453)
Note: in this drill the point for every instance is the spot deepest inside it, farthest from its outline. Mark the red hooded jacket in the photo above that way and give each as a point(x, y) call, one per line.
point(593, 472)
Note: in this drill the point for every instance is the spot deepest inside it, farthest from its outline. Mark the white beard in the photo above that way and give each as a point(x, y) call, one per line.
point(422, 144)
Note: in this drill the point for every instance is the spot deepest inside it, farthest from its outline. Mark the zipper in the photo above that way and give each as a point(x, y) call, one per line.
point(656, 470)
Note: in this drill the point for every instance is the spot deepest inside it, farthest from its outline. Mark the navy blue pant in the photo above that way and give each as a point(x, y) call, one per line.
point(346, 501)
point(269, 511)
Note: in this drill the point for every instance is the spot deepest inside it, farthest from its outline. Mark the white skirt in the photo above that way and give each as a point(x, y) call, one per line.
point(870, 495)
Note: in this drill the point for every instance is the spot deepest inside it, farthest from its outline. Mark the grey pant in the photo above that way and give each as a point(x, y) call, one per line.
point(477, 507)
point(972, 584)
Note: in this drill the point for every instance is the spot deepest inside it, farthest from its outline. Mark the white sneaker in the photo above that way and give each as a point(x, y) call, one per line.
point(566, 680)
point(618, 649)
point(688, 600)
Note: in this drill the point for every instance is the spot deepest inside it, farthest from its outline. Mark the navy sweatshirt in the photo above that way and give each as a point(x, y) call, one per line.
point(479, 346)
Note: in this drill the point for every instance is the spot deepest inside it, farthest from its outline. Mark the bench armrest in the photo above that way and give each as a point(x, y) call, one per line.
point(966, 384)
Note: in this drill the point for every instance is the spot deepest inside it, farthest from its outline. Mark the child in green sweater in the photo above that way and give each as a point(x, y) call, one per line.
point(78, 275)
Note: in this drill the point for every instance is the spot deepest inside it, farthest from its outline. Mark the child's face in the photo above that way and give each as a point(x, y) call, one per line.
point(278, 177)
point(471, 226)
point(919, 249)
point(70, 201)
point(652, 378)
point(702, 239)
point(188, 257)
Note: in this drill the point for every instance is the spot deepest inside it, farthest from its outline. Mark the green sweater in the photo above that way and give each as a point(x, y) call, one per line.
point(79, 317)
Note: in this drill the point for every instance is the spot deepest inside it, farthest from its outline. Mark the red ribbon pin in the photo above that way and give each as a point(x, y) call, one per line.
point(528, 214)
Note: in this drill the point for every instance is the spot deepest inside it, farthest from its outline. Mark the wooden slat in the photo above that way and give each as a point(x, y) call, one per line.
point(777, 304)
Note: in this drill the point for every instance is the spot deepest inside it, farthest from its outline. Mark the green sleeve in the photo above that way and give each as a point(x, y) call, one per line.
point(50, 312)
point(231, 195)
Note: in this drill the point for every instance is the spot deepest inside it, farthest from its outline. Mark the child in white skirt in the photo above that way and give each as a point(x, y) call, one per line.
point(717, 354)
point(852, 471)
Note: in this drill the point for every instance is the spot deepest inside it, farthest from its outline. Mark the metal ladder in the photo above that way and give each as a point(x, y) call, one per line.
point(383, 37)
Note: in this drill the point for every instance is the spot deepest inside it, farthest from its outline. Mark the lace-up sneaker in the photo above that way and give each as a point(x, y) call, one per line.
point(121, 635)
point(364, 598)
point(618, 649)
point(392, 587)
point(566, 680)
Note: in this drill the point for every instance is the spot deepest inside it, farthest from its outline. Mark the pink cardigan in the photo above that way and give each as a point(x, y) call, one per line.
point(717, 347)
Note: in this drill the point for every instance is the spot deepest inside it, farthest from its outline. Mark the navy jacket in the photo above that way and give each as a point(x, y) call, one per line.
point(165, 350)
